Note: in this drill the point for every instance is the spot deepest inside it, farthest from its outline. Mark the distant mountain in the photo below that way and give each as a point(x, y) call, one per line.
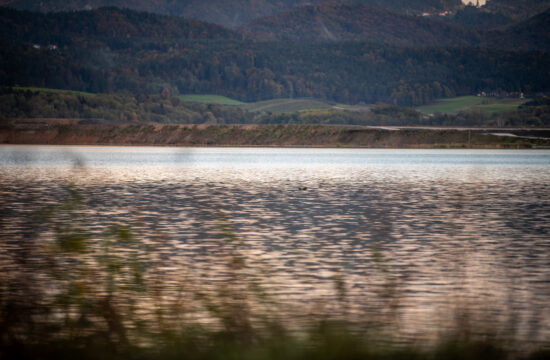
point(229, 13)
point(357, 22)
point(25, 26)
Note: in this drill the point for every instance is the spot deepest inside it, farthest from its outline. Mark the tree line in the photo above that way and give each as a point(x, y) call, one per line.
point(145, 53)
point(341, 72)
point(164, 108)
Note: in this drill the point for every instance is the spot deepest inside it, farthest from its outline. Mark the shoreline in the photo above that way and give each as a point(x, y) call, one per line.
point(273, 136)
point(282, 147)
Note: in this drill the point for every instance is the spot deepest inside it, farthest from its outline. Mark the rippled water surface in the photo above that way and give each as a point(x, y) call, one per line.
point(426, 235)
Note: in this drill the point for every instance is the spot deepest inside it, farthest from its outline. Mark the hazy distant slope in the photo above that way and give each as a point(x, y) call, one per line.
point(356, 22)
point(104, 22)
point(225, 12)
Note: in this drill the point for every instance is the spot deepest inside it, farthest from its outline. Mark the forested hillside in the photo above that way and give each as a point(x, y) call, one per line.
point(472, 17)
point(225, 12)
point(113, 109)
point(358, 22)
point(497, 14)
point(517, 9)
point(111, 51)
point(38, 107)
point(105, 23)
point(533, 33)
point(410, 6)
point(342, 72)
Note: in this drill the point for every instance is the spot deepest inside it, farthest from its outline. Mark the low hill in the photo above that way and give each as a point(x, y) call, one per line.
point(356, 22)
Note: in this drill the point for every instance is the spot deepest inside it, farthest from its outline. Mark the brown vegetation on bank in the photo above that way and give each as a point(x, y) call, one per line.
point(259, 135)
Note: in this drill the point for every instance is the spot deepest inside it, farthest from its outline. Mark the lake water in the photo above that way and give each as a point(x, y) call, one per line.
point(430, 237)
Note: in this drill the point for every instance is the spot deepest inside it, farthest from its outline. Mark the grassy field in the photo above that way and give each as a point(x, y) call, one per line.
point(274, 106)
point(56, 91)
point(210, 99)
point(463, 103)
point(286, 105)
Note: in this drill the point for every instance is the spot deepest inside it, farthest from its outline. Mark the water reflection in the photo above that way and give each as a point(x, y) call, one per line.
point(253, 158)
point(418, 239)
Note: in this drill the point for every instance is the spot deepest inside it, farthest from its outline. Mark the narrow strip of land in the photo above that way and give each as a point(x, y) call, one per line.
point(270, 135)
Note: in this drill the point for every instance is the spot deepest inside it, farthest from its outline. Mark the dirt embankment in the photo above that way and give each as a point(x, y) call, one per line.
point(255, 135)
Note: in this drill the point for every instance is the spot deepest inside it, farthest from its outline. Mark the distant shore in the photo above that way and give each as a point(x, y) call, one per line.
point(52, 133)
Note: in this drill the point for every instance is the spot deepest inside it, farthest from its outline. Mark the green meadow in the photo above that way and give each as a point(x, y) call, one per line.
point(487, 105)
point(286, 105)
point(210, 99)
point(275, 106)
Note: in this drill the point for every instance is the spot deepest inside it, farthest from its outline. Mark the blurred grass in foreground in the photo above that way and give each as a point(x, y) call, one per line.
point(66, 294)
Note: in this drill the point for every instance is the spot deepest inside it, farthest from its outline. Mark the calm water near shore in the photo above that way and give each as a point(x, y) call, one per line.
point(422, 235)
